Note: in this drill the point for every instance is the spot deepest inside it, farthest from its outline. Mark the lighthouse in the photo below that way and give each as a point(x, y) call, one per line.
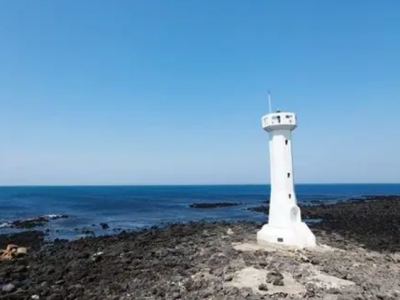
point(285, 225)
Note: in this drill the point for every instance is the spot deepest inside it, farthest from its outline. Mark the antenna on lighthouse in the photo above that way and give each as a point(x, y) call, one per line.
point(269, 102)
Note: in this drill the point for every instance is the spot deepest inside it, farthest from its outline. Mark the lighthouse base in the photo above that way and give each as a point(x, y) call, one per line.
point(298, 235)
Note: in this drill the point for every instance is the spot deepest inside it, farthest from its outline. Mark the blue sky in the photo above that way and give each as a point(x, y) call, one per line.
point(172, 92)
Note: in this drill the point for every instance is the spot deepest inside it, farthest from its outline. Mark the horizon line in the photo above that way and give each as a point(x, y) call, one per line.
point(192, 184)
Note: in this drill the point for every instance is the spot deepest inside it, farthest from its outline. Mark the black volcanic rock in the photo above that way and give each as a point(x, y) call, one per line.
point(370, 220)
point(104, 225)
point(213, 205)
point(261, 208)
point(30, 223)
point(198, 260)
point(30, 239)
point(34, 222)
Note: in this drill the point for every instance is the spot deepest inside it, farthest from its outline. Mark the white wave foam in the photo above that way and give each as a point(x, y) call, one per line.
point(4, 225)
point(53, 216)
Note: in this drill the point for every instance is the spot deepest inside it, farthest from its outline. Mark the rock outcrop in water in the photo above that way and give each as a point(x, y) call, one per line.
point(33, 222)
point(213, 205)
point(215, 261)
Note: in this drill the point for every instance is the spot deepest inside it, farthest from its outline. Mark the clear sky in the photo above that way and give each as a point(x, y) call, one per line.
point(172, 92)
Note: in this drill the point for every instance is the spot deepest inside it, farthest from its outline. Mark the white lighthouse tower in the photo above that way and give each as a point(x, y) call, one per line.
point(284, 225)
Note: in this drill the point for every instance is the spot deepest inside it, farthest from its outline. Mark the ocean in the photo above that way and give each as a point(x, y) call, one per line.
point(137, 207)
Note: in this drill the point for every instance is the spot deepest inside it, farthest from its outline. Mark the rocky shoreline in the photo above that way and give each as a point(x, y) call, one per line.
point(203, 260)
point(33, 222)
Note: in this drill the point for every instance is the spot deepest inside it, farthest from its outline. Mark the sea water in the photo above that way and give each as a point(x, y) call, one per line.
point(135, 207)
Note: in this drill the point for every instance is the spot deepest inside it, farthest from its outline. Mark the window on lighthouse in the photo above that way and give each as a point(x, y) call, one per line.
point(286, 142)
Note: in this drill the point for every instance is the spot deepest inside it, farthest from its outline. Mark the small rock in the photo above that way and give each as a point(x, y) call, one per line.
point(50, 269)
point(217, 272)
point(391, 258)
point(232, 291)
point(330, 297)
point(384, 296)
point(273, 275)
point(245, 292)
point(333, 291)
point(115, 287)
point(263, 287)
point(262, 263)
point(8, 288)
point(315, 261)
point(76, 287)
point(97, 256)
point(304, 259)
point(229, 231)
point(206, 294)
point(83, 255)
point(370, 258)
point(344, 297)
point(278, 282)
point(104, 225)
point(228, 277)
point(55, 296)
point(21, 251)
point(281, 295)
point(188, 284)
point(35, 297)
point(20, 269)
point(310, 293)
